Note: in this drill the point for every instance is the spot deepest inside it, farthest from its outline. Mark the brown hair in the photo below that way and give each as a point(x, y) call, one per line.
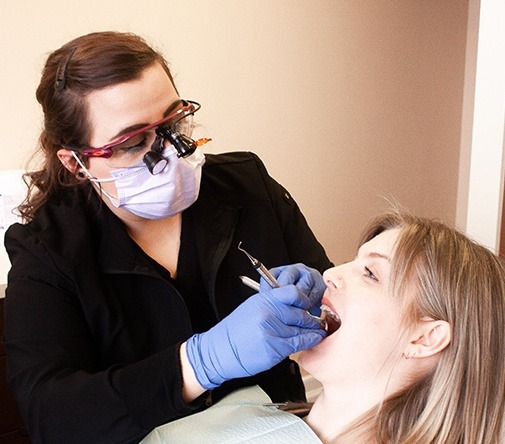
point(459, 281)
point(85, 64)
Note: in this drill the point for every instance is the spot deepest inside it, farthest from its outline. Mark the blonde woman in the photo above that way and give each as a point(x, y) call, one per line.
point(415, 348)
point(418, 356)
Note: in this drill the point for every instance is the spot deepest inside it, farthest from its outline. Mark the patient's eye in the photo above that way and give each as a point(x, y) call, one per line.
point(369, 274)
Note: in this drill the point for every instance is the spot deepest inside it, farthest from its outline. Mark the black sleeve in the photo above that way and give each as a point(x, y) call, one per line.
point(52, 365)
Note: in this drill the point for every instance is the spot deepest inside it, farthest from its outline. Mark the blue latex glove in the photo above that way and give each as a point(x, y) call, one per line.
point(262, 331)
point(307, 279)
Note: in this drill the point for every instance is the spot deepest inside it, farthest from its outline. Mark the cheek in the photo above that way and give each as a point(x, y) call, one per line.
point(373, 336)
point(369, 331)
point(98, 168)
point(373, 323)
point(365, 342)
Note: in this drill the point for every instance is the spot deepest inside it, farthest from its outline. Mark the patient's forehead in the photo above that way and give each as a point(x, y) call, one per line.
point(382, 245)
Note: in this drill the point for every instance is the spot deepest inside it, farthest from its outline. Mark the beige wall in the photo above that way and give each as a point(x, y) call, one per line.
point(346, 101)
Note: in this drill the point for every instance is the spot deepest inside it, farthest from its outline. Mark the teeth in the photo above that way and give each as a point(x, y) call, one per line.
point(331, 319)
point(326, 311)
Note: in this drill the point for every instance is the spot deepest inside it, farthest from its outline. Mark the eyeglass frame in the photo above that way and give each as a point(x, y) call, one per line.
point(190, 107)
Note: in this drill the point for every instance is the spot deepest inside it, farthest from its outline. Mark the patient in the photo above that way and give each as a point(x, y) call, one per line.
point(414, 352)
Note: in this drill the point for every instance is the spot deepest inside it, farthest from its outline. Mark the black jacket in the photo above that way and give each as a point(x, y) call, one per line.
point(92, 330)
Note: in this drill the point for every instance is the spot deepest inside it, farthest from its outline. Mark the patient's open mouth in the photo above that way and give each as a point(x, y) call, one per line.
point(332, 319)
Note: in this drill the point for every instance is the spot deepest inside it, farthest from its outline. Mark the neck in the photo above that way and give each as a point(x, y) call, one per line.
point(343, 402)
point(140, 228)
point(159, 238)
point(335, 409)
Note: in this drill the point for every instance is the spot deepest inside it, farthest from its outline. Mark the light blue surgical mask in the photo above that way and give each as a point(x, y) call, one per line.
point(160, 195)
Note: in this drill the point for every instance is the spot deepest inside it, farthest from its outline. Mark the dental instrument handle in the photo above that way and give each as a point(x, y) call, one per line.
point(250, 283)
point(265, 274)
point(261, 269)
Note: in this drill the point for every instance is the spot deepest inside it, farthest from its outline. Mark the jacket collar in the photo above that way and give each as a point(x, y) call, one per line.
point(214, 223)
point(214, 228)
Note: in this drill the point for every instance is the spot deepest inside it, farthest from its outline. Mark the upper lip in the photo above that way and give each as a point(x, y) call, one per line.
point(326, 301)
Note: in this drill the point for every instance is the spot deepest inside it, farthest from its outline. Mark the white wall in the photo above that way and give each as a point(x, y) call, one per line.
point(484, 124)
point(346, 101)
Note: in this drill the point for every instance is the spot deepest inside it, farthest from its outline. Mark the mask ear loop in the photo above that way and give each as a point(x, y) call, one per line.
point(81, 175)
point(95, 181)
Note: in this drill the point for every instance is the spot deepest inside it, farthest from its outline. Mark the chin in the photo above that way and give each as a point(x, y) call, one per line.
point(312, 359)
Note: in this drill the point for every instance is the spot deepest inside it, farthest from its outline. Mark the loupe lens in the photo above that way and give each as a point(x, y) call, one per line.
point(184, 145)
point(155, 162)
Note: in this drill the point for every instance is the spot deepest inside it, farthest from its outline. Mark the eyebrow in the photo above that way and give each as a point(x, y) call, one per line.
point(380, 256)
point(137, 126)
point(374, 255)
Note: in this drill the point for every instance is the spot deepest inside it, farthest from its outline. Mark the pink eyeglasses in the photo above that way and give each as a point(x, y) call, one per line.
point(147, 143)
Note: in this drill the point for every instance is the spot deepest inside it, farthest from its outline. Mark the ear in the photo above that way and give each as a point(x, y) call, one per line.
point(428, 339)
point(68, 160)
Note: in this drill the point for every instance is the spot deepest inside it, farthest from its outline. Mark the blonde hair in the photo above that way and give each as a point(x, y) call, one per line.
point(457, 280)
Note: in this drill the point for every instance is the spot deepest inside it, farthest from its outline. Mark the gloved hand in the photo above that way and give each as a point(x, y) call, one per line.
point(262, 331)
point(307, 279)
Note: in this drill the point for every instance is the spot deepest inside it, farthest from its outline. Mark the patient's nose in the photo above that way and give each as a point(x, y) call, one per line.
point(332, 278)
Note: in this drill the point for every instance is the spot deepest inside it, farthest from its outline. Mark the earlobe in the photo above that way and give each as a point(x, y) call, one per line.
point(430, 338)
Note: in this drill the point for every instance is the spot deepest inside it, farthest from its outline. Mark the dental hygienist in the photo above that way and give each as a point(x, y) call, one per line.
point(124, 307)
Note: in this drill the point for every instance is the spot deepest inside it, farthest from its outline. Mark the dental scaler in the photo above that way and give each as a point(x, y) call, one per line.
point(265, 274)
point(261, 269)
